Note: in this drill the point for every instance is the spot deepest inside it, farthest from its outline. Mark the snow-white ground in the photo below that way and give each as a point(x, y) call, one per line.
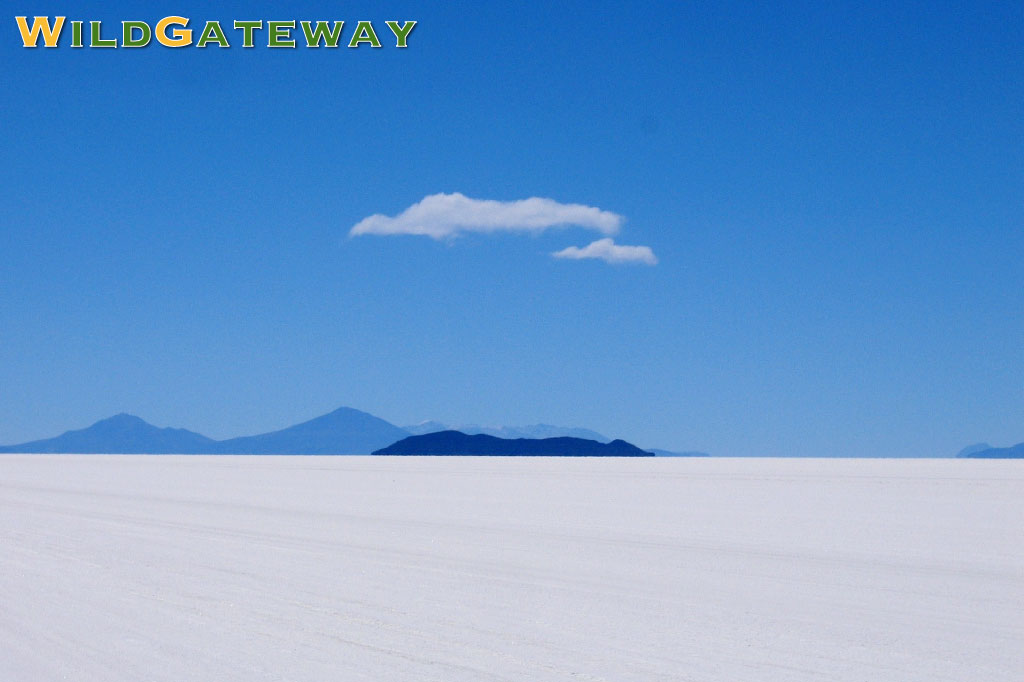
point(389, 569)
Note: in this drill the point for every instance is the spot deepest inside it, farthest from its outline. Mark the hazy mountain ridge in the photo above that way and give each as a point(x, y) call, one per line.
point(528, 431)
point(672, 453)
point(344, 431)
point(119, 435)
point(971, 449)
point(1012, 452)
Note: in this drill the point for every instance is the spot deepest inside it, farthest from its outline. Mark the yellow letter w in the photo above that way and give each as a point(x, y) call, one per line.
point(30, 37)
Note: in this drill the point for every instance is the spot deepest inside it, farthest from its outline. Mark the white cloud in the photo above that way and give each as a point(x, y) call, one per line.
point(448, 215)
point(610, 252)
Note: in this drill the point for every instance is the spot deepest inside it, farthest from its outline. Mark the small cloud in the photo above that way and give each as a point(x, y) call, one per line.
point(448, 215)
point(610, 252)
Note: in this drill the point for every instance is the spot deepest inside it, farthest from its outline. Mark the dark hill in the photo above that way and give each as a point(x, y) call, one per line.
point(119, 435)
point(458, 443)
point(1013, 452)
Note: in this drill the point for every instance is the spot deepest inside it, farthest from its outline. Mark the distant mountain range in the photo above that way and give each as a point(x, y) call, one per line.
point(989, 452)
point(458, 443)
point(345, 431)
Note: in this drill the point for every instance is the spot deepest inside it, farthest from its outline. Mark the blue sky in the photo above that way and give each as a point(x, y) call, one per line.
point(833, 192)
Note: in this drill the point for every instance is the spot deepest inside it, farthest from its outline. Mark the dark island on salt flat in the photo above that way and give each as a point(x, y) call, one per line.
point(458, 443)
